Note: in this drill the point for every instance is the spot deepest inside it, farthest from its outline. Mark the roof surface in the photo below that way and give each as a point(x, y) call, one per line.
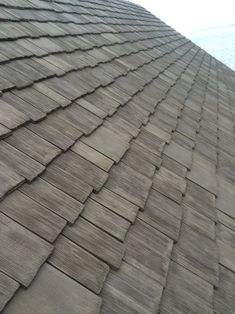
point(117, 164)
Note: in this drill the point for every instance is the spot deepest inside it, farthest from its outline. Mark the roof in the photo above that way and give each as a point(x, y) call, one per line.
point(117, 164)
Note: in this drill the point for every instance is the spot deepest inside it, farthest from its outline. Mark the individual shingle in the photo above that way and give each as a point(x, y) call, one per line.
point(226, 164)
point(116, 203)
point(18, 79)
point(200, 199)
point(169, 184)
point(37, 99)
point(54, 292)
point(79, 167)
point(9, 179)
point(32, 216)
point(107, 142)
point(117, 123)
point(67, 182)
point(138, 163)
point(203, 173)
point(81, 118)
point(150, 142)
point(163, 214)
point(8, 288)
point(129, 290)
point(225, 240)
point(96, 241)
point(179, 153)
point(146, 154)
point(23, 106)
point(46, 131)
point(92, 108)
point(105, 219)
point(174, 166)
point(55, 126)
point(4, 131)
point(79, 264)
point(197, 253)
point(186, 293)
point(224, 296)
point(151, 128)
point(20, 162)
point(148, 250)
point(56, 200)
point(22, 252)
point(92, 155)
point(33, 146)
point(42, 88)
point(226, 220)
point(10, 117)
point(129, 184)
point(198, 222)
point(226, 197)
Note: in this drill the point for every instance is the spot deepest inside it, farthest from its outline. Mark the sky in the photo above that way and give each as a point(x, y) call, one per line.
point(188, 16)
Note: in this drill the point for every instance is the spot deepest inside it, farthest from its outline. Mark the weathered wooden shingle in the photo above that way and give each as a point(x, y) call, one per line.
point(33, 146)
point(105, 219)
point(96, 241)
point(8, 288)
point(22, 164)
point(200, 200)
point(198, 254)
point(163, 214)
point(148, 250)
point(129, 184)
point(169, 184)
point(22, 252)
point(224, 297)
point(92, 155)
point(116, 203)
point(32, 215)
point(129, 290)
point(79, 264)
point(203, 173)
point(56, 200)
point(107, 142)
point(186, 293)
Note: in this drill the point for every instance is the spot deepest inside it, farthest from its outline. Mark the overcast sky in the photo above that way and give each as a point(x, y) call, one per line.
point(187, 16)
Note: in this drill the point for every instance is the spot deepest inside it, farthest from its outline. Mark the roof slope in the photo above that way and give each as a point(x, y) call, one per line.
point(117, 164)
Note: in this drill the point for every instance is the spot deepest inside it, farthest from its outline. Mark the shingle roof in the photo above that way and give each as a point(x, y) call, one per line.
point(117, 164)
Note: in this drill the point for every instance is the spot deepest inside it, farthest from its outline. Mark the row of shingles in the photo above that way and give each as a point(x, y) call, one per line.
point(44, 42)
point(49, 104)
point(136, 286)
point(53, 70)
point(79, 9)
point(88, 8)
point(48, 198)
point(39, 18)
point(195, 256)
point(224, 296)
